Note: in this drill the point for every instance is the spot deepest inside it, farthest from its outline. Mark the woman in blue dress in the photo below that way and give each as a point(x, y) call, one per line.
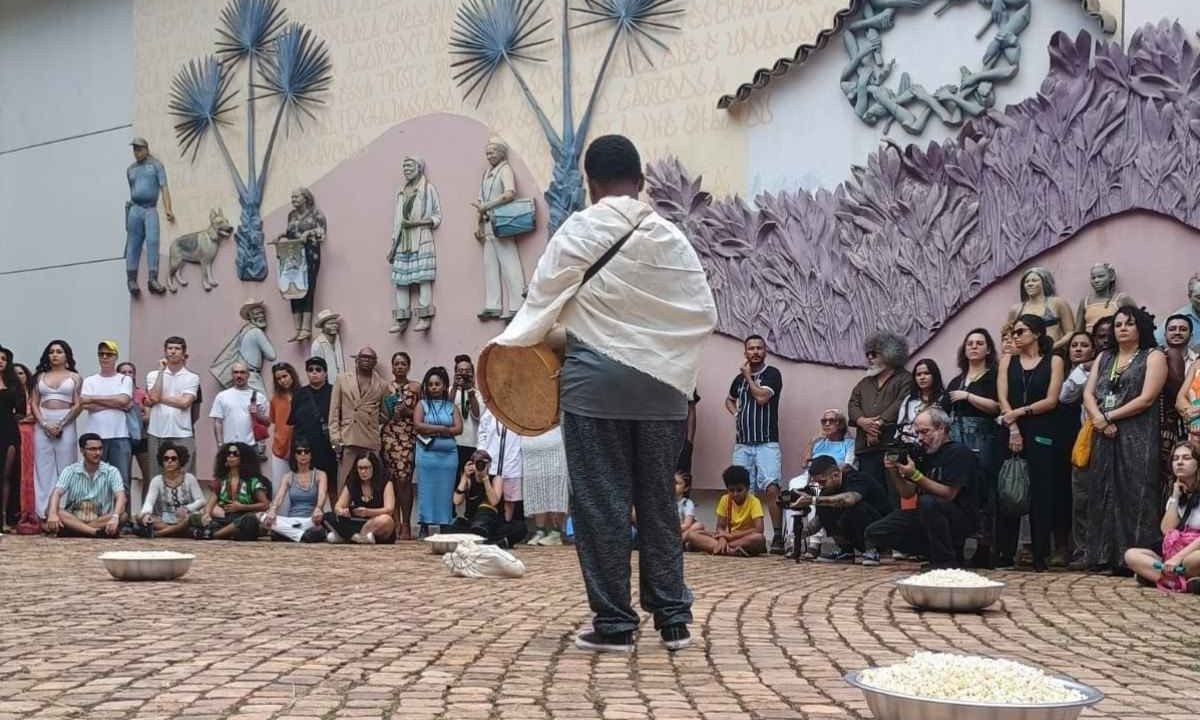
point(437, 421)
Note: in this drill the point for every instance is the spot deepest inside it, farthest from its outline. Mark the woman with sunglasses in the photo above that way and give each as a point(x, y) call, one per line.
point(240, 493)
point(304, 489)
point(1029, 383)
point(172, 498)
point(1124, 485)
point(365, 507)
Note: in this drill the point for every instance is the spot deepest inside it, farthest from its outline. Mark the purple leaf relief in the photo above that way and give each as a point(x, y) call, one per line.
point(911, 237)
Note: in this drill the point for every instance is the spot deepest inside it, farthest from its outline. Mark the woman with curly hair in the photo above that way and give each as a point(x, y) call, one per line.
point(239, 494)
point(1122, 398)
point(437, 422)
point(55, 403)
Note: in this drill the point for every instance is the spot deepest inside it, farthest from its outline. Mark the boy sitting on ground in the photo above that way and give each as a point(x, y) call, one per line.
point(739, 520)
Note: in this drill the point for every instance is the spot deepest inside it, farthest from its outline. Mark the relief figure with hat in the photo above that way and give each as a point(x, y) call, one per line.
point(249, 345)
point(147, 179)
point(328, 343)
point(298, 251)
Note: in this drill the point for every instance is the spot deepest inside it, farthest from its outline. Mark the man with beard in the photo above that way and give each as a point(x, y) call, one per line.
point(250, 346)
point(754, 402)
point(1191, 311)
point(875, 402)
point(354, 417)
point(310, 419)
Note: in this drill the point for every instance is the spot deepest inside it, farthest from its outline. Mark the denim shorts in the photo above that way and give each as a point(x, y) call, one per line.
point(763, 460)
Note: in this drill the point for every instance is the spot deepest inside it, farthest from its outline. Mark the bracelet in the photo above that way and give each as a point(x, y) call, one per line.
point(1172, 500)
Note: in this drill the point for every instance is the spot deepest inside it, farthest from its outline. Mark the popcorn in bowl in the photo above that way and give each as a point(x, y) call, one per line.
point(970, 679)
point(949, 579)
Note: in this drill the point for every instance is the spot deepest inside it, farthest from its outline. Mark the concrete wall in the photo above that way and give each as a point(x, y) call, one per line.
point(66, 106)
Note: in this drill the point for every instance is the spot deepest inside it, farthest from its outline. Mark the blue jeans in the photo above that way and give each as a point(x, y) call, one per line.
point(763, 460)
point(141, 226)
point(118, 452)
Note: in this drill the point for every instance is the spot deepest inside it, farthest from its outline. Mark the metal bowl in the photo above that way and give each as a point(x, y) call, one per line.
point(887, 705)
point(950, 599)
point(146, 565)
point(446, 543)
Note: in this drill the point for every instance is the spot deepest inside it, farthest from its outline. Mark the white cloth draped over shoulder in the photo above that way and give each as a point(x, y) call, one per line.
point(649, 308)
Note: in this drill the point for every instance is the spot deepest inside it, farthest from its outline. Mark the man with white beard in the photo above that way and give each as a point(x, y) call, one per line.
point(875, 402)
point(250, 346)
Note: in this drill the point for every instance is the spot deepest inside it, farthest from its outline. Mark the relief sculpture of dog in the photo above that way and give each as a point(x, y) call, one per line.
point(198, 247)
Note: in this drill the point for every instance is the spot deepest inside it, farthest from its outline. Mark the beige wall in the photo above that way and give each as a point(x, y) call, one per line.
point(391, 64)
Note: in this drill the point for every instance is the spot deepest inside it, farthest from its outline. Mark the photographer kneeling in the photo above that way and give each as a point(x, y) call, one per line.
point(944, 479)
point(476, 498)
point(848, 503)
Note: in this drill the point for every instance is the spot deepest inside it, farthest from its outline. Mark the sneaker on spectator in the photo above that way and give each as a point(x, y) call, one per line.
point(835, 554)
point(333, 538)
point(1193, 585)
point(675, 637)
point(904, 557)
point(537, 538)
point(776, 545)
point(552, 539)
point(598, 642)
point(870, 558)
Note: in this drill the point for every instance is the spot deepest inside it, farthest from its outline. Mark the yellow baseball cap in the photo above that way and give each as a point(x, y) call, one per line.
point(108, 345)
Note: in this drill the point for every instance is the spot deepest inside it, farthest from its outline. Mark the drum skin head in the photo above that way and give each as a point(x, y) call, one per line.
point(520, 386)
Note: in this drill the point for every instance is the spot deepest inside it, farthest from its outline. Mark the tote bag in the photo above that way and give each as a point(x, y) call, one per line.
point(1013, 487)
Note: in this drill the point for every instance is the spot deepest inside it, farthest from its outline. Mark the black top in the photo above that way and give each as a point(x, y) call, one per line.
point(984, 386)
point(475, 496)
point(309, 417)
point(12, 409)
point(756, 423)
point(356, 498)
point(957, 466)
point(872, 492)
point(1026, 387)
point(591, 384)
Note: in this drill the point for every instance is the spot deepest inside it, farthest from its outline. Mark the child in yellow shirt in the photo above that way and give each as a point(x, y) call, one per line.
point(739, 520)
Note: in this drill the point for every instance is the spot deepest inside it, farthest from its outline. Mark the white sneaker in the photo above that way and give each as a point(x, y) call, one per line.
point(367, 538)
point(537, 538)
point(333, 538)
point(553, 538)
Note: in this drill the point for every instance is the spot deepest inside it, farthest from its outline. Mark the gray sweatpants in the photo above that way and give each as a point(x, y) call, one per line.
point(615, 465)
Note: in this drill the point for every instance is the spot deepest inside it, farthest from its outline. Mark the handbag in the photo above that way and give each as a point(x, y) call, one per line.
point(512, 218)
point(261, 429)
point(1012, 487)
point(1081, 451)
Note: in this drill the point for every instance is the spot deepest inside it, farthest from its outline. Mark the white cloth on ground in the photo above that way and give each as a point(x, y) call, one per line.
point(473, 560)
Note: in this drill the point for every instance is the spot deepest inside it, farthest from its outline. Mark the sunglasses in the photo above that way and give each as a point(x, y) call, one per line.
point(232, 452)
point(1018, 332)
point(872, 353)
point(170, 458)
point(828, 421)
point(303, 451)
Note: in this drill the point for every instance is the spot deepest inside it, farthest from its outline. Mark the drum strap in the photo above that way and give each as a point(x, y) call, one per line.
point(609, 254)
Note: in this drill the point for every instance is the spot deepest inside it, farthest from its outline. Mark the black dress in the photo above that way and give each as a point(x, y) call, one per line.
point(310, 421)
point(12, 409)
point(1038, 437)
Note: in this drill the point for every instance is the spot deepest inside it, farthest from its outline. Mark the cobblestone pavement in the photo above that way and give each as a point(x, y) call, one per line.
point(272, 630)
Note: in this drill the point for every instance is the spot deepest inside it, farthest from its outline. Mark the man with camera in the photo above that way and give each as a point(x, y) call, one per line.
point(945, 480)
point(848, 502)
point(477, 497)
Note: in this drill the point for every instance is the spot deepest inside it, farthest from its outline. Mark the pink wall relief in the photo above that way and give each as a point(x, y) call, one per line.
point(357, 198)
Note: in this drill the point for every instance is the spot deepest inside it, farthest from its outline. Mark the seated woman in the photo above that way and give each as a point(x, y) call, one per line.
point(477, 501)
point(240, 494)
point(688, 525)
point(1178, 568)
point(364, 509)
point(305, 490)
point(172, 497)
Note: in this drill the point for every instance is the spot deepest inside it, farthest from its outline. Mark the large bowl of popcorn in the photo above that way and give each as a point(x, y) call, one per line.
point(147, 564)
point(945, 686)
point(950, 591)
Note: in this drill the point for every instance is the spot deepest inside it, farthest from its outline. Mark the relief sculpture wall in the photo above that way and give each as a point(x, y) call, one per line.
point(909, 240)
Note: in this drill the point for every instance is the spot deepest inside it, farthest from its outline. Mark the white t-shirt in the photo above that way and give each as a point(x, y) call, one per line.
point(108, 423)
point(167, 421)
point(232, 407)
point(1193, 518)
point(469, 437)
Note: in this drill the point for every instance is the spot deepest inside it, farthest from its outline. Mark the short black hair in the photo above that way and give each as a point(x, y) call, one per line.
point(750, 338)
point(1177, 316)
point(86, 438)
point(736, 476)
point(316, 361)
point(611, 158)
point(175, 340)
point(821, 465)
point(464, 359)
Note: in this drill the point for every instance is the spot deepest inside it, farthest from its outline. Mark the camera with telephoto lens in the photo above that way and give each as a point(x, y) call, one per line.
point(895, 448)
point(789, 496)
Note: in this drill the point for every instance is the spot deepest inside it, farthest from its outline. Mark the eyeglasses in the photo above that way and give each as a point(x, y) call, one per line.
point(1018, 332)
point(170, 458)
point(232, 452)
point(872, 353)
point(828, 421)
point(303, 451)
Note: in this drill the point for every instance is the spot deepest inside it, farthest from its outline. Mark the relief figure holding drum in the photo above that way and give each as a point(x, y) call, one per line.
point(501, 218)
point(412, 257)
point(298, 251)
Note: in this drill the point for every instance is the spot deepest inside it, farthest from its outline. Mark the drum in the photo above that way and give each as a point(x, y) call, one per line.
point(514, 218)
point(520, 386)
